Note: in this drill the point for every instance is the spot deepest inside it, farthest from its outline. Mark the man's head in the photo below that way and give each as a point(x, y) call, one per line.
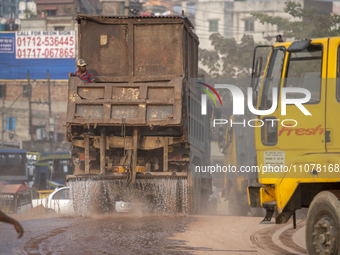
point(81, 65)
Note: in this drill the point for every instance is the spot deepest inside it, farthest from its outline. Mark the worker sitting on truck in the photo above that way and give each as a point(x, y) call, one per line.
point(85, 75)
point(18, 227)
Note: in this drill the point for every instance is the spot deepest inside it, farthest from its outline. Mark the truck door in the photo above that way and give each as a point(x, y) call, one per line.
point(332, 135)
point(283, 137)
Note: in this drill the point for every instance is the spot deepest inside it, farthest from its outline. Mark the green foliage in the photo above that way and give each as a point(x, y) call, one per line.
point(308, 23)
point(29, 14)
point(230, 59)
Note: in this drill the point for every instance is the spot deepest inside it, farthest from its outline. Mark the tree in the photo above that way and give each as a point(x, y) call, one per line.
point(29, 14)
point(230, 59)
point(310, 23)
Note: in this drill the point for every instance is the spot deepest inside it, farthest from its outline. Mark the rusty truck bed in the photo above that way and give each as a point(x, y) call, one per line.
point(136, 103)
point(137, 49)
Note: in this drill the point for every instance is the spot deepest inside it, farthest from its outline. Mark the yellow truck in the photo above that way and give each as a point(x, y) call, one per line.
point(298, 145)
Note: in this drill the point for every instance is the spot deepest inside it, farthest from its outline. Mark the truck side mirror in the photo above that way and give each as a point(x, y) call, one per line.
point(257, 72)
point(256, 78)
point(255, 97)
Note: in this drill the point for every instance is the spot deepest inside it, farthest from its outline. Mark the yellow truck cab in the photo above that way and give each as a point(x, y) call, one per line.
point(298, 145)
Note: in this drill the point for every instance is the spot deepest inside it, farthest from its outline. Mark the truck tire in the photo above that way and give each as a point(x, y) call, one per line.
point(195, 196)
point(323, 224)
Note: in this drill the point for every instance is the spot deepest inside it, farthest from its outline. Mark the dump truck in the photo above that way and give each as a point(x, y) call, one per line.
point(298, 146)
point(137, 132)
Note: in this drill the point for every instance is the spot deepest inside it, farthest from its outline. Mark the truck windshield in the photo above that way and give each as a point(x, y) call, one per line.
point(273, 77)
point(304, 71)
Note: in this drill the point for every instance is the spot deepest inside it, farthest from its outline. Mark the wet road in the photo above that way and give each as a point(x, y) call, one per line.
point(152, 234)
point(114, 234)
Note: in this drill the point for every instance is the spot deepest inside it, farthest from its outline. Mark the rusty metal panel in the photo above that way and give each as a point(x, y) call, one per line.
point(91, 93)
point(135, 48)
point(139, 103)
point(157, 50)
point(124, 111)
point(104, 48)
point(125, 93)
point(160, 93)
point(190, 57)
point(139, 65)
point(159, 111)
point(89, 111)
point(185, 49)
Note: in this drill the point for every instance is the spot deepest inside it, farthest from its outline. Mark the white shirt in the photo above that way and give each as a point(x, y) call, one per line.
point(215, 194)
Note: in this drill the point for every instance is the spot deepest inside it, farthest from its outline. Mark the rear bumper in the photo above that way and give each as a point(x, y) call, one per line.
point(112, 176)
point(258, 196)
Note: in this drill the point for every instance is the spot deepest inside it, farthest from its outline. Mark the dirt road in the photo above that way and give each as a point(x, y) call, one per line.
point(152, 234)
point(241, 235)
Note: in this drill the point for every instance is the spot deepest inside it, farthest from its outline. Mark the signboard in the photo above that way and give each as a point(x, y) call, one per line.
point(6, 197)
point(274, 158)
point(6, 44)
point(31, 157)
point(39, 54)
point(44, 44)
point(336, 8)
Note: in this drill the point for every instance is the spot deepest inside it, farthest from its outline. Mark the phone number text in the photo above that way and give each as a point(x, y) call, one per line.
point(45, 47)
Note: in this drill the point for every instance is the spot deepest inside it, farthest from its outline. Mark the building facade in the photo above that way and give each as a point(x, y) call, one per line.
point(50, 23)
point(25, 119)
point(9, 9)
point(213, 17)
point(233, 19)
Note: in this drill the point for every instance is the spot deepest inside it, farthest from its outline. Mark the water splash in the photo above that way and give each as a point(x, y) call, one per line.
point(162, 196)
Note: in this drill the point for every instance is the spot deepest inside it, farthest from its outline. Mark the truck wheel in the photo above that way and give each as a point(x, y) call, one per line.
point(323, 224)
point(194, 192)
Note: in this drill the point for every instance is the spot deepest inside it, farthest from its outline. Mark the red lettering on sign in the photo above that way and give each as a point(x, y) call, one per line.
point(302, 131)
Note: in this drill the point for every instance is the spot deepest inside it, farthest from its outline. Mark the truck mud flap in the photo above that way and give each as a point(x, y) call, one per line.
point(254, 199)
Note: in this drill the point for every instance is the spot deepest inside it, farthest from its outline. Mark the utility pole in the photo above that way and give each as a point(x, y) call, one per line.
point(50, 133)
point(127, 8)
point(30, 106)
